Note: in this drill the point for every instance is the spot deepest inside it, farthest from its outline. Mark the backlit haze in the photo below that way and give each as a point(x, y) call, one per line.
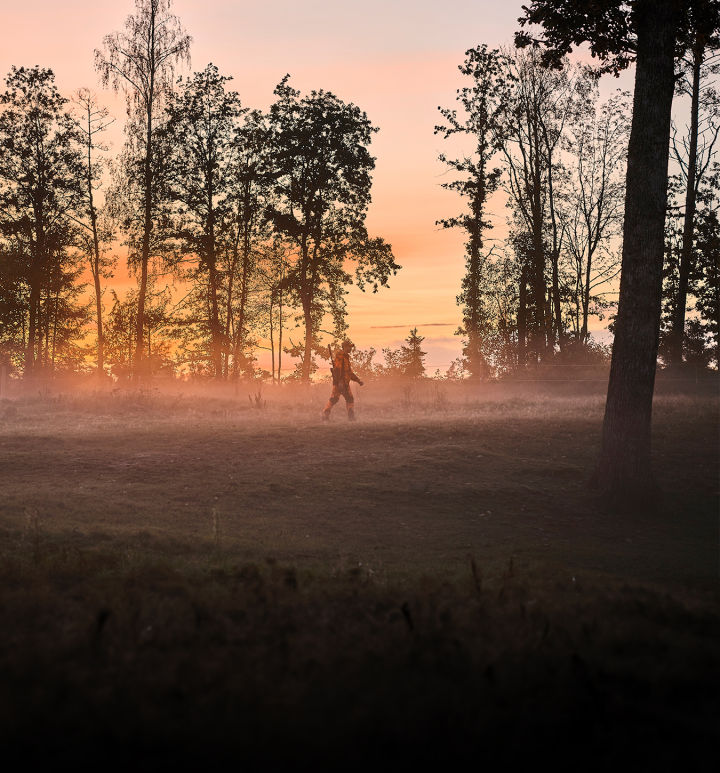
point(396, 59)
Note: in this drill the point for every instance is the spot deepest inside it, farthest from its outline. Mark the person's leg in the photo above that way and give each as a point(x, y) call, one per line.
point(349, 403)
point(334, 397)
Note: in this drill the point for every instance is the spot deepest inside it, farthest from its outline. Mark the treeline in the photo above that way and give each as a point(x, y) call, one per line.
point(259, 216)
point(540, 139)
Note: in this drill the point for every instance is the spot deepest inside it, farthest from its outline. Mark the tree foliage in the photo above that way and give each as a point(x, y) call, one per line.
point(141, 60)
point(322, 193)
point(653, 35)
point(482, 104)
point(540, 138)
point(40, 198)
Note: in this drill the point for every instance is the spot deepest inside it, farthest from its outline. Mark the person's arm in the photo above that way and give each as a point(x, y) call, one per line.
point(353, 377)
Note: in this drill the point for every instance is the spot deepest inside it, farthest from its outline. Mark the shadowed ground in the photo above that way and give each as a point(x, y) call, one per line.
point(196, 577)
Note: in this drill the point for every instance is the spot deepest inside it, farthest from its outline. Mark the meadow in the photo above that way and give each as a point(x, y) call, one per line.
point(204, 578)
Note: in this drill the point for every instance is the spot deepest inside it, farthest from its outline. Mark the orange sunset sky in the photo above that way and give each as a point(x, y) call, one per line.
point(396, 59)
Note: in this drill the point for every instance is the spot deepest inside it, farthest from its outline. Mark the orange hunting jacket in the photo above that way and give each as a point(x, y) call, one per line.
point(343, 372)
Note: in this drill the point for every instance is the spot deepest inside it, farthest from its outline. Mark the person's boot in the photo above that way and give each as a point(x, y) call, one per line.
point(351, 413)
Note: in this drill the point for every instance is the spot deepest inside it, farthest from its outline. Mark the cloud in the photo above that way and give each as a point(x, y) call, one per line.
point(410, 326)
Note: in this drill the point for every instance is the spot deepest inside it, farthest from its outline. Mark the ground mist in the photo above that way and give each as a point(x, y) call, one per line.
point(195, 579)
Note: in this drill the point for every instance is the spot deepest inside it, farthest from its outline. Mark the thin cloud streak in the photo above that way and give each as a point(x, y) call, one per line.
point(424, 324)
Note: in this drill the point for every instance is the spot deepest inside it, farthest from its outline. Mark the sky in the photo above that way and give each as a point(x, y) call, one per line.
point(396, 59)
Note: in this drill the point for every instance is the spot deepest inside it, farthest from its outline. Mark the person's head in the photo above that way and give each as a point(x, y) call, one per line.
point(347, 346)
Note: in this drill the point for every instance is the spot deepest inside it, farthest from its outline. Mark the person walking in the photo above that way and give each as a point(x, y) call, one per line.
point(342, 375)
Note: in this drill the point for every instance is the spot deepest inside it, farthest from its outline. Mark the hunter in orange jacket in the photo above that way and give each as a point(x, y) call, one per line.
point(342, 376)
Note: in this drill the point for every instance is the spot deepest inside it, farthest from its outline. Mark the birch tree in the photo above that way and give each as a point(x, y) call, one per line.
point(141, 60)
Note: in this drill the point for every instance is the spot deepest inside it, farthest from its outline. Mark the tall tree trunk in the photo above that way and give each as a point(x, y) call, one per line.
point(215, 333)
point(308, 294)
point(229, 320)
point(272, 340)
point(522, 320)
point(541, 332)
point(34, 329)
point(677, 332)
point(477, 370)
point(145, 255)
point(242, 311)
point(95, 260)
point(34, 303)
point(98, 312)
point(717, 325)
point(54, 331)
point(280, 321)
point(307, 353)
point(555, 325)
point(538, 333)
point(624, 469)
point(148, 184)
point(476, 356)
point(586, 300)
point(538, 338)
point(45, 350)
point(556, 307)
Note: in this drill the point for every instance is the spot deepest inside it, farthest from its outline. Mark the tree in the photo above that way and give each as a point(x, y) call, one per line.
point(694, 155)
point(706, 272)
point(13, 305)
point(408, 361)
point(542, 104)
point(562, 163)
point(92, 121)
point(197, 139)
point(40, 195)
point(251, 177)
point(412, 357)
point(121, 333)
point(323, 181)
point(591, 208)
point(141, 60)
point(272, 279)
point(481, 104)
point(648, 32)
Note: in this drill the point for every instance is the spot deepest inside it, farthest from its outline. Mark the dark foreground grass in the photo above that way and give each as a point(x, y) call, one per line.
point(118, 657)
point(199, 584)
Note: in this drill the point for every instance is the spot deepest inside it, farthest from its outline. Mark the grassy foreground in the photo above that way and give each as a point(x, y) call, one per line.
point(201, 583)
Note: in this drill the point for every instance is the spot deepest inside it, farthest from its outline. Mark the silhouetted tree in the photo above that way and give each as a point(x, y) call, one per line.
point(412, 357)
point(705, 279)
point(694, 154)
point(543, 103)
point(481, 103)
point(323, 191)
point(650, 33)
point(251, 177)
point(272, 276)
point(591, 208)
point(197, 139)
point(40, 196)
point(92, 121)
point(13, 303)
point(141, 60)
point(121, 333)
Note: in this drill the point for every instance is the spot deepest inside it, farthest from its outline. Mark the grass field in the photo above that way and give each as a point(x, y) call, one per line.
point(191, 578)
